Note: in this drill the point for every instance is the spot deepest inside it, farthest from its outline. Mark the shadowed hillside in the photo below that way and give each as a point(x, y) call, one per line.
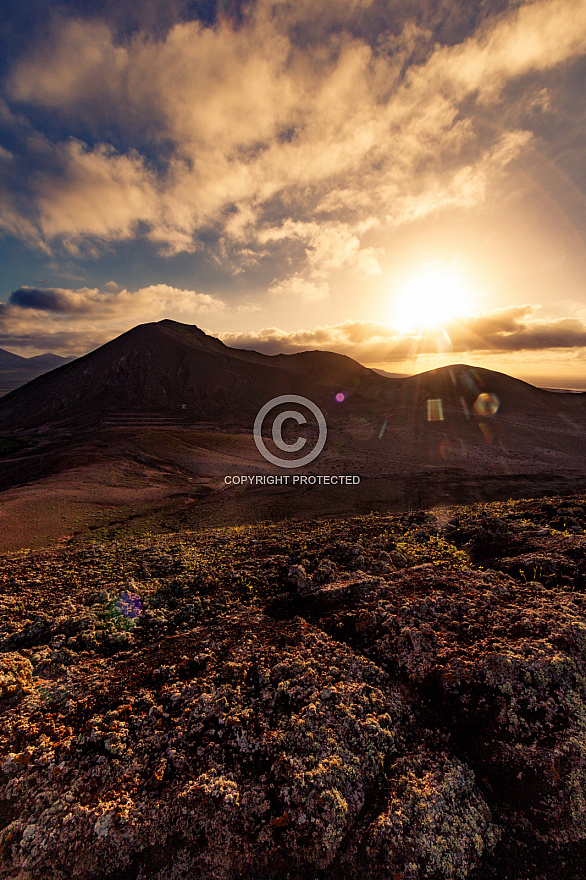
point(164, 413)
point(175, 368)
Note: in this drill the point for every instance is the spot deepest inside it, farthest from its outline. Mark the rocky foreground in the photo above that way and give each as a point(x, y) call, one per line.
point(383, 698)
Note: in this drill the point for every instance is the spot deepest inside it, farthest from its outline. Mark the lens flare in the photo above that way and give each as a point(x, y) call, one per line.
point(128, 605)
point(435, 410)
point(487, 404)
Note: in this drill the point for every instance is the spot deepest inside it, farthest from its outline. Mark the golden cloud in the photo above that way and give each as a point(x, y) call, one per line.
point(74, 321)
point(326, 129)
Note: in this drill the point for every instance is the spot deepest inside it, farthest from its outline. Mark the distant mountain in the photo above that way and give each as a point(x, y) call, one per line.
point(8, 359)
point(16, 370)
point(50, 361)
point(391, 375)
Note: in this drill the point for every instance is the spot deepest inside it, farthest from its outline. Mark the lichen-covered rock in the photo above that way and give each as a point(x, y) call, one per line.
point(353, 700)
point(435, 822)
point(503, 664)
point(287, 747)
point(298, 577)
point(16, 675)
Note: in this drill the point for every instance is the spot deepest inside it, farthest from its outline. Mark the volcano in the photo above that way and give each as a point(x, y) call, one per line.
point(166, 410)
point(176, 369)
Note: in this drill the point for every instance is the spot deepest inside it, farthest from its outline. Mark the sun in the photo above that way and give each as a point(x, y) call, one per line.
point(432, 297)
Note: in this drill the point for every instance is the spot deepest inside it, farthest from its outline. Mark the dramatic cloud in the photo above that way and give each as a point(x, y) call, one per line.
point(231, 127)
point(74, 321)
point(506, 330)
point(148, 303)
point(298, 288)
point(329, 247)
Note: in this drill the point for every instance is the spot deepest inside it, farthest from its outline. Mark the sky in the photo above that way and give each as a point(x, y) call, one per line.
point(401, 181)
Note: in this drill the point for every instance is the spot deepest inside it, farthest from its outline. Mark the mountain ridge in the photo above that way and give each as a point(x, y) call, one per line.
point(46, 357)
point(166, 366)
point(16, 371)
point(170, 367)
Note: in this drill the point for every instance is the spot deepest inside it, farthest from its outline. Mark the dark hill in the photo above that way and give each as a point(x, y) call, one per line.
point(173, 368)
point(461, 385)
point(151, 423)
point(168, 396)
